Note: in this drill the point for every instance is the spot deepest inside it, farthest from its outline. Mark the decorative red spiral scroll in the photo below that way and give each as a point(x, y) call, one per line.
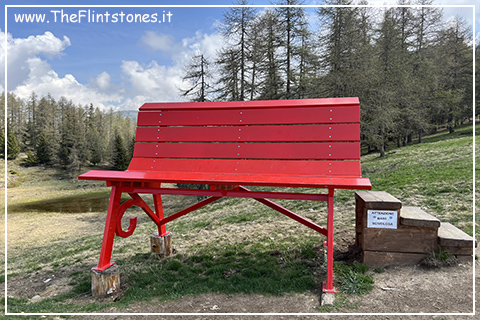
point(133, 221)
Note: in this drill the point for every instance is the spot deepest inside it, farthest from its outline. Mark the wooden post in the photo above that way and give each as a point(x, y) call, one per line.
point(106, 282)
point(161, 246)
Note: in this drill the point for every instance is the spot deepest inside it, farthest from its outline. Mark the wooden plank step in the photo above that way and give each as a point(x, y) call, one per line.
point(416, 217)
point(451, 236)
point(380, 200)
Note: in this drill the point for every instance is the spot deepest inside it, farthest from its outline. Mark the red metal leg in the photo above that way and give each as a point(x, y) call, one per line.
point(194, 207)
point(110, 227)
point(328, 286)
point(157, 200)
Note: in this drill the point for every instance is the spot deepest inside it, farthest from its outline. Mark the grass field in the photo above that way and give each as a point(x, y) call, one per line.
point(231, 246)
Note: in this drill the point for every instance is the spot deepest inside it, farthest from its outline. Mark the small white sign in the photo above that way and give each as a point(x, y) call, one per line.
point(385, 219)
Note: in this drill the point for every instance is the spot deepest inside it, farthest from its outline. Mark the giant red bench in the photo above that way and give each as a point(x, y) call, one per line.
point(308, 143)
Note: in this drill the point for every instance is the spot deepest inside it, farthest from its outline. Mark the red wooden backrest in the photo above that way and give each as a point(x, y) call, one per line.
point(282, 137)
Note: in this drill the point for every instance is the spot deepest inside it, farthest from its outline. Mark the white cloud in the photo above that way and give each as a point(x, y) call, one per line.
point(152, 81)
point(28, 70)
point(103, 81)
point(43, 80)
point(21, 50)
point(208, 44)
point(158, 41)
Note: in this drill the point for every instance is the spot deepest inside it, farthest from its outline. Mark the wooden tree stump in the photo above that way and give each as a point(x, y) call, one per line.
point(107, 282)
point(161, 246)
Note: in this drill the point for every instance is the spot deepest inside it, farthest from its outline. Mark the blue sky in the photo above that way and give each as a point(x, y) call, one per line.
point(117, 64)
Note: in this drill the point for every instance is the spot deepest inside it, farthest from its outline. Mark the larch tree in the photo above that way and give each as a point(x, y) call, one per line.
point(198, 77)
point(236, 27)
point(293, 24)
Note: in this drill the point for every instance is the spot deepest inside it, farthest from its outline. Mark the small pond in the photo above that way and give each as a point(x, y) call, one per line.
point(96, 202)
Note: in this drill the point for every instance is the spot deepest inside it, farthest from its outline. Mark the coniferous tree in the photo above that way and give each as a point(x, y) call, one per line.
point(131, 148)
point(63, 156)
point(31, 119)
point(293, 24)
point(236, 28)
point(2, 141)
point(454, 96)
point(43, 149)
point(228, 82)
point(198, 76)
point(340, 41)
point(95, 148)
point(120, 159)
point(382, 120)
point(426, 25)
point(13, 149)
point(271, 85)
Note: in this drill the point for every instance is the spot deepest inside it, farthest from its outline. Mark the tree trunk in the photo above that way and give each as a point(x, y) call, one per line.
point(382, 150)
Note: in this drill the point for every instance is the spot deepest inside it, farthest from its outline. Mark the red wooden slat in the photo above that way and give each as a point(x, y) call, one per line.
point(333, 132)
point(234, 179)
point(250, 104)
point(252, 167)
point(339, 150)
point(253, 116)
